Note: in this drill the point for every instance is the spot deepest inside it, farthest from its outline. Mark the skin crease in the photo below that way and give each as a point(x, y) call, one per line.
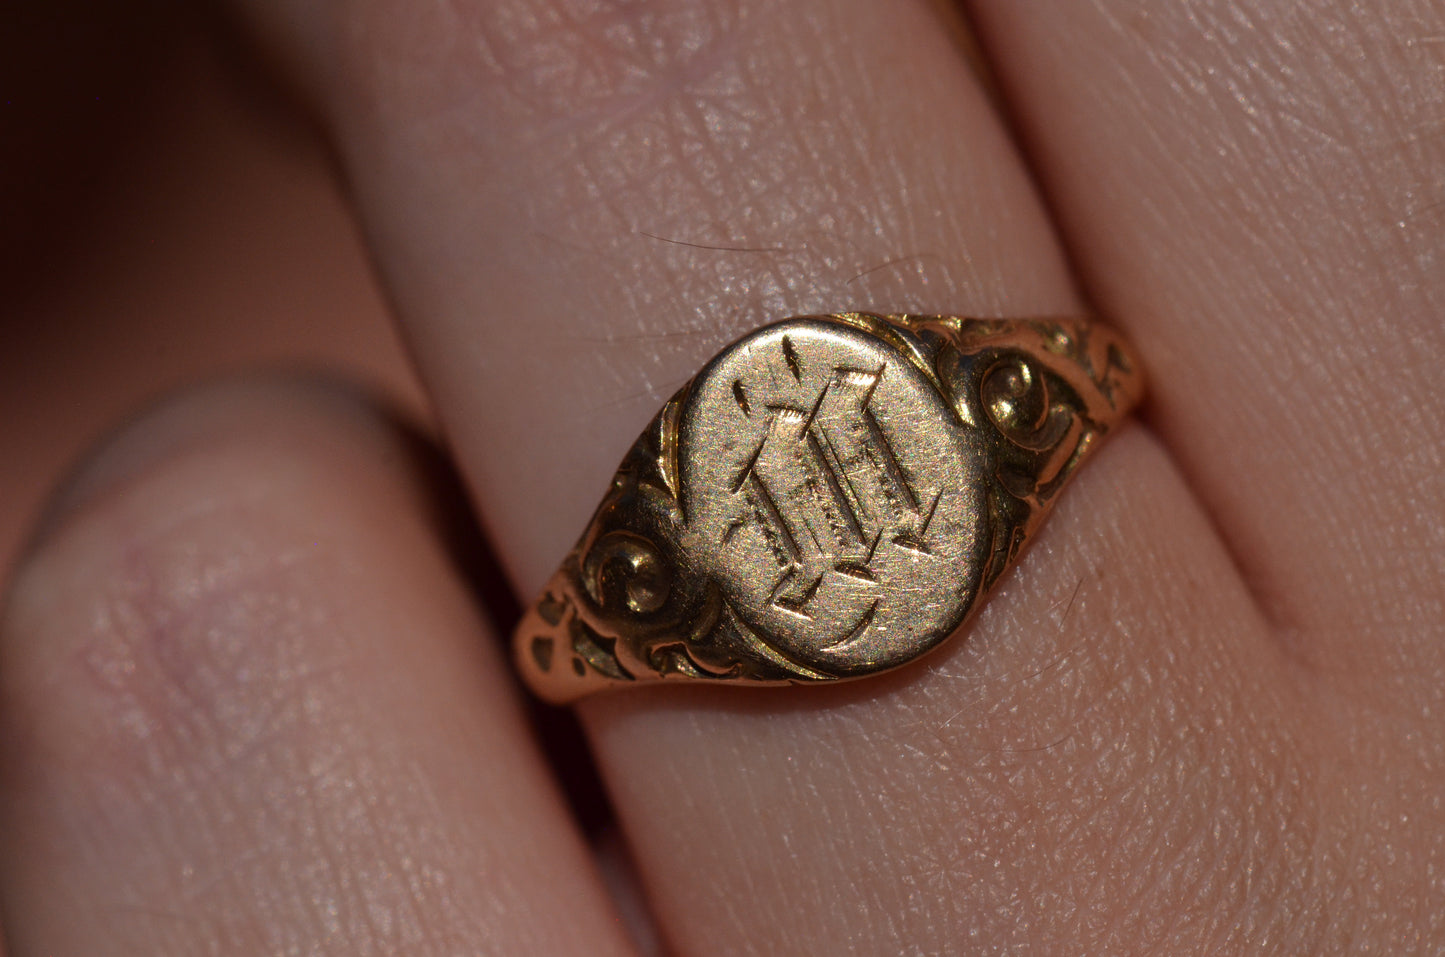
point(1199, 717)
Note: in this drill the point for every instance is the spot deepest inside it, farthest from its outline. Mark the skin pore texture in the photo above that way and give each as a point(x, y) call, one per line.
point(249, 702)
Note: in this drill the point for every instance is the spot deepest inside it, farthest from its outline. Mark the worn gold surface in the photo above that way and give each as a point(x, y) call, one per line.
point(829, 498)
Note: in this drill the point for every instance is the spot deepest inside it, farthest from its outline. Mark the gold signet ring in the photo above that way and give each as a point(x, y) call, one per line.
point(829, 498)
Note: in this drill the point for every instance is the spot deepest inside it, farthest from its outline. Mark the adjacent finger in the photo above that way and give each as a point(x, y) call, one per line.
point(249, 706)
point(1254, 192)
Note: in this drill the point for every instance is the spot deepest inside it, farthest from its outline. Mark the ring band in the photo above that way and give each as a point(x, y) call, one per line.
point(829, 498)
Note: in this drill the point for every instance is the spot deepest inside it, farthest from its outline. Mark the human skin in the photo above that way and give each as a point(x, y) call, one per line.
point(249, 703)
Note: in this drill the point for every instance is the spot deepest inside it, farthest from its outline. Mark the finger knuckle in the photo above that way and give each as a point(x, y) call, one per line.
point(171, 624)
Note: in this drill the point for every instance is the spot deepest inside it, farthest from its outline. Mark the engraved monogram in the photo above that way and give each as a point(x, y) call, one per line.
point(825, 488)
point(845, 531)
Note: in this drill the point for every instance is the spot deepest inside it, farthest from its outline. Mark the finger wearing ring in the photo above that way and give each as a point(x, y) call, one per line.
point(829, 498)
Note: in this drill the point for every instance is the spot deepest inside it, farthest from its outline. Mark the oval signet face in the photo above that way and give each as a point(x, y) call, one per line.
point(833, 496)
